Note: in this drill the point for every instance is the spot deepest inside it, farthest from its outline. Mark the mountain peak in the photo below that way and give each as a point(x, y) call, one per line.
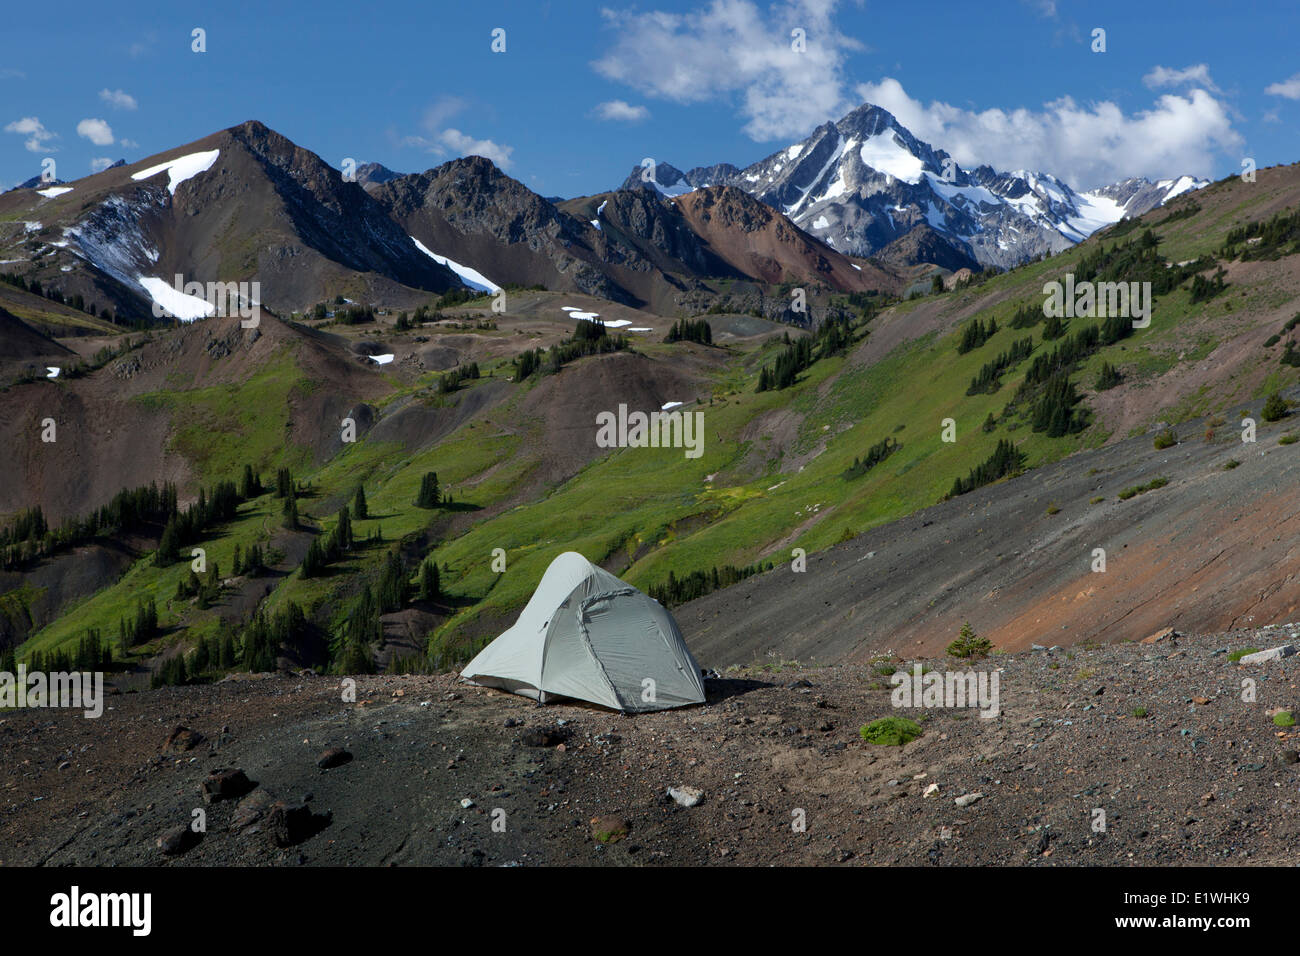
point(865, 182)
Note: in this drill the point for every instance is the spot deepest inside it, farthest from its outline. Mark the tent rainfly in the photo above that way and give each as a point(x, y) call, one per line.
point(585, 634)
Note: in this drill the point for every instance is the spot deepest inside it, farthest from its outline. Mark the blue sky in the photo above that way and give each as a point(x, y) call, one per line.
point(585, 90)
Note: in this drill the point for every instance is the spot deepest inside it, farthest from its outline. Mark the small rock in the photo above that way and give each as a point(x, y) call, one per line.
point(686, 796)
point(609, 829)
point(542, 737)
point(466, 803)
point(1272, 654)
point(183, 739)
point(968, 799)
point(251, 809)
point(225, 785)
point(333, 757)
point(1288, 757)
point(931, 790)
point(290, 823)
point(177, 840)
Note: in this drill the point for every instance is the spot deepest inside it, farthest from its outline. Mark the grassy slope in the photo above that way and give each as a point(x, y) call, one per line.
point(633, 501)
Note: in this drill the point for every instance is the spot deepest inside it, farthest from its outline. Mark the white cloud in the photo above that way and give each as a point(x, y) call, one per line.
point(442, 141)
point(458, 142)
point(1290, 88)
point(1198, 76)
point(1087, 146)
point(36, 133)
point(97, 131)
point(118, 99)
point(620, 111)
point(100, 163)
point(733, 50)
point(128, 143)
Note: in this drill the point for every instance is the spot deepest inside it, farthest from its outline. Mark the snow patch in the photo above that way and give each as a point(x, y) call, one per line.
point(883, 152)
point(470, 277)
point(187, 308)
point(382, 359)
point(53, 191)
point(180, 169)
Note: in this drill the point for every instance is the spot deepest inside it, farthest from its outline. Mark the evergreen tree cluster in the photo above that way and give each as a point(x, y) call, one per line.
point(429, 495)
point(1204, 289)
point(264, 636)
point(1026, 317)
point(430, 585)
point(1005, 460)
point(354, 315)
point(361, 628)
point(29, 537)
point(93, 653)
point(784, 372)
point(976, 333)
point(394, 590)
point(989, 378)
point(76, 300)
point(1278, 236)
point(590, 337)
point(215, 506)
point(832, 337)
point(284, 486)
point(320, 554)
point(461, 373)
point(1054, 411)
point(677, 590)
point(1108, 377)
point(874, 456)
point(140, 629)
point(691, 330)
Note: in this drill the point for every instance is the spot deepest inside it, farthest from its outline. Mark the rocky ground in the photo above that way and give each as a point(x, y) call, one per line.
point(430, 765)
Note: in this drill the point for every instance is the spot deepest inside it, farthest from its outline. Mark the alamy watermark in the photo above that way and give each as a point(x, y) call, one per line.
point(1086, 300)
point(79, 690)
point(948, 689)
point(660, 429)
point(224, 299)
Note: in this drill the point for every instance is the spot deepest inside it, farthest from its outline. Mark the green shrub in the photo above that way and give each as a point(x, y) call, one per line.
point(1275, 409)
point(1151, 485)
point(1052, 509)
point(969, 644)
point(890, 731)
point(1238, 655)
point(1166, 439)
point(1288, 440)
point(1230, 464)
point(1138, 712)
point(1283, 718)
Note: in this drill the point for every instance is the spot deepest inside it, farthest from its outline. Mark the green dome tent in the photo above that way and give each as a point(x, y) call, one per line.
point(586, 635)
